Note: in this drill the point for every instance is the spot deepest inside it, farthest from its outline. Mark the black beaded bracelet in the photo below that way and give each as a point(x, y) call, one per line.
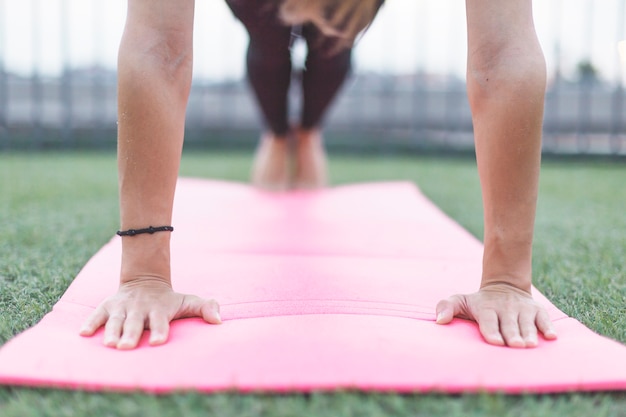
point(151, 230)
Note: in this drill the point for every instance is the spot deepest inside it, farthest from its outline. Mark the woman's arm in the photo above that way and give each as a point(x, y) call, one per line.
point(154, 79)
point(506, 86)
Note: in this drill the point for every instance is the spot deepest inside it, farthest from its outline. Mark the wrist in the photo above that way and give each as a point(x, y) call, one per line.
point(146, 256)
point(508, 283)
point(143, 282)
point(508, 262)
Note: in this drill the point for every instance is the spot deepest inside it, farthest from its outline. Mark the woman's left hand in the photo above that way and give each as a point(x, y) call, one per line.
point(506, 315)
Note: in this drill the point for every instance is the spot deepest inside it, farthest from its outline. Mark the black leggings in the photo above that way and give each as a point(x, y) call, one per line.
point(269, 65)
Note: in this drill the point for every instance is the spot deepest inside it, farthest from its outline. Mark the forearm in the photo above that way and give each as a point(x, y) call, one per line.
point(154, 78)
point(508, 112)
point(506, 80)
point(151, 112)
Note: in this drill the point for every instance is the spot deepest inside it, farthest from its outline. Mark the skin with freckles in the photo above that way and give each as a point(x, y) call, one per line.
point(506, 86)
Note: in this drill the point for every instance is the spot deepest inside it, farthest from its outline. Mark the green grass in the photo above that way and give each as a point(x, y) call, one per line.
point(56, 210)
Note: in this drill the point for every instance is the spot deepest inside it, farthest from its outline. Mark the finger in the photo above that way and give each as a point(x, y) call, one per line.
point(113, 329)
point(159, 329)
point(211, 312)
point(194, 306)
point(445, 312)
point(132, 331)
point(95, 320)
point(545, 326)
point(489, 326)
point(449, 308)
point(509, 328)
point(528, 329)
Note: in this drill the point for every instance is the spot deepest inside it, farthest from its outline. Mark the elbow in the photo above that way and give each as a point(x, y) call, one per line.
point(166, 56)
point(505, 73)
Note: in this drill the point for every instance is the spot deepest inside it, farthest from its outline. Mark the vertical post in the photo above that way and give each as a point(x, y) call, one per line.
point(553, 105)
point(387, 95)
point(446, 76)
point(98, 88)
point(617, 108)
point(4, 128)
point(35, 81)
point(585, 88)
point(66, 78)
point(420, 101)
point(451, 96)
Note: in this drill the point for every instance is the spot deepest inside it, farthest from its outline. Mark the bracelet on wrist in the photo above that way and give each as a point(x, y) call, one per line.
point(151, 230)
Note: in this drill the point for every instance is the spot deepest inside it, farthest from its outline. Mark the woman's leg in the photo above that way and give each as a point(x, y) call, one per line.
point(325, 71)
point(268, 63)
point(324, 74)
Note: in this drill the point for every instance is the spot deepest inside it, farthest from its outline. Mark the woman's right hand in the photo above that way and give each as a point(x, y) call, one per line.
point(145, 303)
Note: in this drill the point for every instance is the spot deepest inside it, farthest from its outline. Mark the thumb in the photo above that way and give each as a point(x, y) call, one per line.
point(211, 312)
point(445, 312)
point(195, 306)
point(447, 309)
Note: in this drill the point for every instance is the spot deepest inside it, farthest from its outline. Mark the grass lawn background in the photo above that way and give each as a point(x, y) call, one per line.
point(57, 210)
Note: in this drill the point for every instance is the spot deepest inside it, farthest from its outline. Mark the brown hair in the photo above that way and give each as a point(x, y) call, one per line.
point(343, 19)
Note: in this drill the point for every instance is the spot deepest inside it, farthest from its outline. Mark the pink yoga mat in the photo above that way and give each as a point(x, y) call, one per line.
point(324, 290)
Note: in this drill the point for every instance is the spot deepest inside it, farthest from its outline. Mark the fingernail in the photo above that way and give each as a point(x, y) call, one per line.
point(550, 334)
point(517, 342)
point(219, 318)
point(125, 344)
point(498, 340)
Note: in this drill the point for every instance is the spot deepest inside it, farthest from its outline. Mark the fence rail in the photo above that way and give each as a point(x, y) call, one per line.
point(407, 106)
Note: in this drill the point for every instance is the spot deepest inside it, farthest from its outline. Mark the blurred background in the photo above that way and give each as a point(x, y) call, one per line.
point(407, 91)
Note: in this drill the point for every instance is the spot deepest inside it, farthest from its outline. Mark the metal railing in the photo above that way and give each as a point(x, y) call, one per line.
point(404, 93)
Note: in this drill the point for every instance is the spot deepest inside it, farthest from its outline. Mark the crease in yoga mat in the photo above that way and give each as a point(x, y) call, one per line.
point(326, 290)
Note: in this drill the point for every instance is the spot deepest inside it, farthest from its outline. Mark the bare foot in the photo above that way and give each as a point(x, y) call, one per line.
point(311, 170)
point(270, 169)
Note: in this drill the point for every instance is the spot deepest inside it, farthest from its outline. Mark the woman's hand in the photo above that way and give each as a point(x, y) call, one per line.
point(145, 304)
point(505, 315)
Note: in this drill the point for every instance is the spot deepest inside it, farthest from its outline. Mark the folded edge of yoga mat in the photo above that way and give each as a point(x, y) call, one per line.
point(318, 292)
